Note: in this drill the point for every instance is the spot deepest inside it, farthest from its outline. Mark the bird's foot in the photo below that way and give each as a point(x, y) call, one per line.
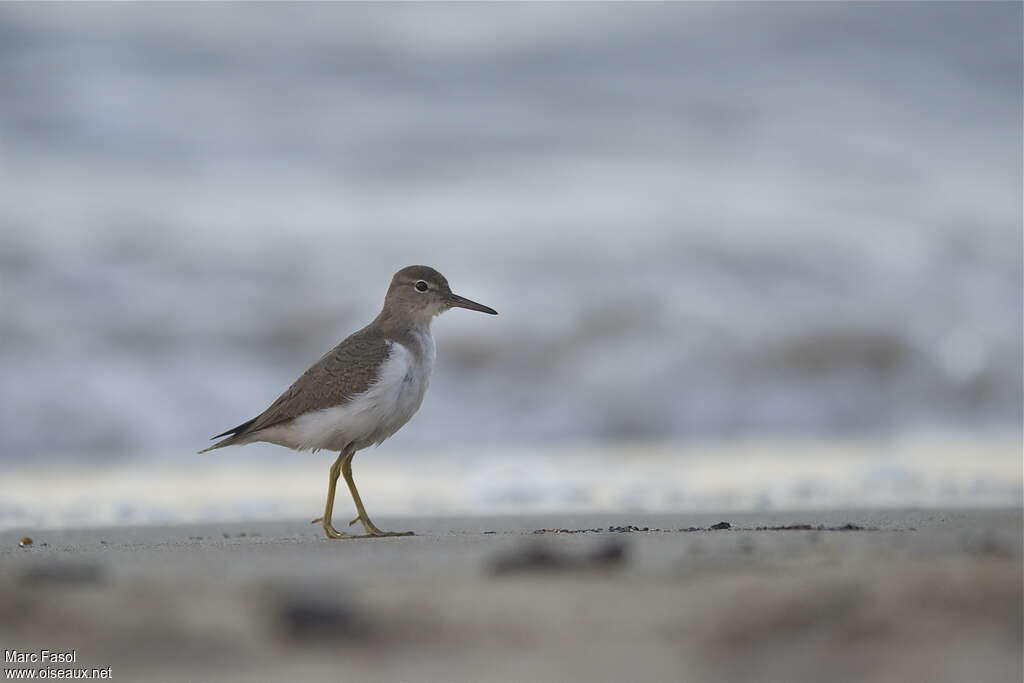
point(373, 530)
point(331, 532)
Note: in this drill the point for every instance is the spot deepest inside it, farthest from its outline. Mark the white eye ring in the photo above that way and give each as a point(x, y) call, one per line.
point(421, 286)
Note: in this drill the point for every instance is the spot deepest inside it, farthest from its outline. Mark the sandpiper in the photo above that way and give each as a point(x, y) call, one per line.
point(363, 390)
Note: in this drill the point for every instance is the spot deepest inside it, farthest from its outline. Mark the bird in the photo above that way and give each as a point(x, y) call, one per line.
point(363, 390)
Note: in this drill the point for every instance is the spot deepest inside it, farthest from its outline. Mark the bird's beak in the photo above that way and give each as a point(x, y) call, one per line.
point(456, 301)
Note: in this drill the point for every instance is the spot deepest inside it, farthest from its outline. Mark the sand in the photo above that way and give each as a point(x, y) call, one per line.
point(925, 595)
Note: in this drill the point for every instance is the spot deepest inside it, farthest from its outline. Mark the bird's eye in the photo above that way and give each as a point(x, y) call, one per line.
point(422, 286)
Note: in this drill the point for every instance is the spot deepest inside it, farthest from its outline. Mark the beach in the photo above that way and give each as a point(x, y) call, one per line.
point(879, 595)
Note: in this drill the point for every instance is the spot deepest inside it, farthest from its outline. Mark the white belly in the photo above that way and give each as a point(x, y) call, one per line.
point(367, 418)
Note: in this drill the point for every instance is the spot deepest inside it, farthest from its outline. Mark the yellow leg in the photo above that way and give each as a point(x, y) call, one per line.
point(332, 483)
point(371, 528)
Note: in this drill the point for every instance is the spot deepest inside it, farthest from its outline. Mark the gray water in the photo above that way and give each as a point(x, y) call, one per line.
point(696, 220)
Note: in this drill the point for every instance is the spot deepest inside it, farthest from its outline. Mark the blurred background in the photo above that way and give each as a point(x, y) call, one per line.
point(745, 255)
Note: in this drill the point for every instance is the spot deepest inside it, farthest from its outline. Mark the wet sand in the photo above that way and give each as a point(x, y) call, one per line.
point(807, 596)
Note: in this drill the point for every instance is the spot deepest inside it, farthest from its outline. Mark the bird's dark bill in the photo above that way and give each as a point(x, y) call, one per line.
point(456, 301)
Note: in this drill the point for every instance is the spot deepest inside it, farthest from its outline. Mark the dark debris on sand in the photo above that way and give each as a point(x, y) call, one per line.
point(820, 527)
point(536, 557)
point(630, 528)
point(307, 620)
point(319, 616)
point(63, 575)
point(720, 526)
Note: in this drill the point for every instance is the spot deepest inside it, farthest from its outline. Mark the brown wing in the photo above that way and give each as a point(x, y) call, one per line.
point(345, 371)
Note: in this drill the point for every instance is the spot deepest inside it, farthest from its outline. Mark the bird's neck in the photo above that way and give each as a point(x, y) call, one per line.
point(403, 328)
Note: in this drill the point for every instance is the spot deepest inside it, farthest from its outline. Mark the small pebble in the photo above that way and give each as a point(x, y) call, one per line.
point(25, 541)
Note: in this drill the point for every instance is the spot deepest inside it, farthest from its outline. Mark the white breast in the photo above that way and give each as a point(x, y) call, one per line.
point(372, 416)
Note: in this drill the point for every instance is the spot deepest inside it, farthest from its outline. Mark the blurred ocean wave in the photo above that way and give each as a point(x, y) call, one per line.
point(696, 220)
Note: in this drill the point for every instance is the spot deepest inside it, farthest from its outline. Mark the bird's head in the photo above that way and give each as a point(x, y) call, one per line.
point(420, 293)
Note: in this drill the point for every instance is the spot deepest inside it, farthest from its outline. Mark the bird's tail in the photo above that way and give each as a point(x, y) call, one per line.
point(231, 440)
point(233, 436)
